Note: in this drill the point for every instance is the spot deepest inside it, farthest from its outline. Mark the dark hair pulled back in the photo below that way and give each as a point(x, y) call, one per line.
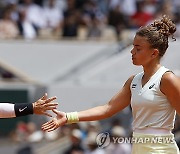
point(157, 33)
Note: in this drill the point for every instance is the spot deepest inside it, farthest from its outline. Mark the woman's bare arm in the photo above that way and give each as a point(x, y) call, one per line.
point(116, 104)
point(170, 86)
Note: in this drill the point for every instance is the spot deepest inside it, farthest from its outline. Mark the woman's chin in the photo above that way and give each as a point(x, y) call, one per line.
point(134, 63)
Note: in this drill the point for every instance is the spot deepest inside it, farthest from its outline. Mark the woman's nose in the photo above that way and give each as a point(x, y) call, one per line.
point(132, 51)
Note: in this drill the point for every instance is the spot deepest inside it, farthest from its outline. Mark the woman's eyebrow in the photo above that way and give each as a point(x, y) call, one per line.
point(136, 45)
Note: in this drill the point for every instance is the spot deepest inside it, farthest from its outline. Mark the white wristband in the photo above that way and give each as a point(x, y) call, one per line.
point(72, 117)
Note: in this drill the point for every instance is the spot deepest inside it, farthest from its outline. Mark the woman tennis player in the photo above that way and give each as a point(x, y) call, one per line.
point(10, 110)
point(154, 94)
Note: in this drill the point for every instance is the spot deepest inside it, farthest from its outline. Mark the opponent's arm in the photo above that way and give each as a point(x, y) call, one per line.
point(117, 103)
point(170, 86)
point(10, 110)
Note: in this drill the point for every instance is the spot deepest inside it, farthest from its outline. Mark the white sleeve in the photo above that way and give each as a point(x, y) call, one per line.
point(7, 110)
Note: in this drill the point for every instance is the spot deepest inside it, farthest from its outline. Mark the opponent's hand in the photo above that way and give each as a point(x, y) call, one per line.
point(44, 104)
point(60, 120)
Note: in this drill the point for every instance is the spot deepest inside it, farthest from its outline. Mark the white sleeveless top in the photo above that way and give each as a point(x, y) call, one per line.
point(150, 107)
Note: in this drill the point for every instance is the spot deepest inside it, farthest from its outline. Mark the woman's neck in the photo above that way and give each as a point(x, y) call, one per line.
point(149, 70)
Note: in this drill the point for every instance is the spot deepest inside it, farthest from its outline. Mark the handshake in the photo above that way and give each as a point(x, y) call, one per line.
point(44, 104)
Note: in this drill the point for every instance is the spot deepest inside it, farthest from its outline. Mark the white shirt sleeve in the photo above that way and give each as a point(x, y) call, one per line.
point(7, 110)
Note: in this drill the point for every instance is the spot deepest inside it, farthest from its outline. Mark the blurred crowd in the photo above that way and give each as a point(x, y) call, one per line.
point(81, 19)
point(82, 137)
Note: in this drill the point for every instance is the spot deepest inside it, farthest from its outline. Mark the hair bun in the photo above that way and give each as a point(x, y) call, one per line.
point(165, 26)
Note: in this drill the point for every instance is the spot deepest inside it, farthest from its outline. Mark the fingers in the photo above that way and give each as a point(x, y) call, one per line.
point(46, 124)
point(53, 128)
point(55, 111)
point(50, 99)
point(51, 105)
point(41, 105)
point(44, 97)
point(49, 126)
point(50, 108)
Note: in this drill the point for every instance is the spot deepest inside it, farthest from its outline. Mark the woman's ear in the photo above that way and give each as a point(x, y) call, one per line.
point(155, 53)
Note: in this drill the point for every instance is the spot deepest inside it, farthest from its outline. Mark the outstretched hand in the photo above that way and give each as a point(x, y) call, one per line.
point(56, 122)
point(44, 104)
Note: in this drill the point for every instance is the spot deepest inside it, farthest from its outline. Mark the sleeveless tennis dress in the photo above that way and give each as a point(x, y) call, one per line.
point(151, 109)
